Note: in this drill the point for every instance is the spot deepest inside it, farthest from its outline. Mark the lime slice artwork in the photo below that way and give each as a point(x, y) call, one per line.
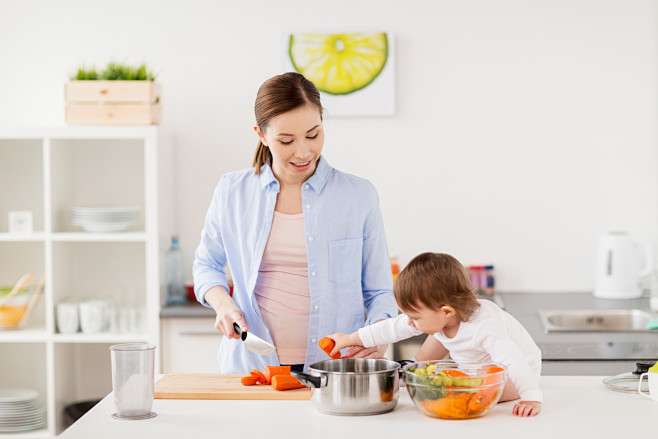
point(339, 64)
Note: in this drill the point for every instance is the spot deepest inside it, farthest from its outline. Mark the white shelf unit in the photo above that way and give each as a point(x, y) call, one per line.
point(46, 171)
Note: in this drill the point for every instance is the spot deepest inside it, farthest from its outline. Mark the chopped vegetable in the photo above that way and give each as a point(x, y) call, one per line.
point(259, 375)
point(249, 380)
point(483, 398)
point(453, 373)
point(453, 405)
point(286, 382)
point(327, 345)
point(271, 371)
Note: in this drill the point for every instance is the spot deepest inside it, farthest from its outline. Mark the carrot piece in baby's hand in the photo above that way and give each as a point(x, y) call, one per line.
point(286, 382)
point(259, 375)
point(249, 380)
point(327, 345)
point(272, 371)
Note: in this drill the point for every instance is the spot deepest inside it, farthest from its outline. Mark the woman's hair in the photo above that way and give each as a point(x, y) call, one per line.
point(433, 280)
point(278, 95)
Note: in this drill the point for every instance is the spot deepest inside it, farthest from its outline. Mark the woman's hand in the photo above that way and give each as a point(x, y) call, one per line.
point(227, 312)
point(361, 352)
point(527, 408)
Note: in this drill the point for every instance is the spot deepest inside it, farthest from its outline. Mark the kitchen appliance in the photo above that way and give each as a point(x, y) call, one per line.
point(132, 380)
point(254, 343)
point(621, 263)
point(220, 386)
point(353, 386)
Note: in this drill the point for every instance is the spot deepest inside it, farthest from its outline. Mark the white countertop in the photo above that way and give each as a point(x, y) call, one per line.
point(574, 406)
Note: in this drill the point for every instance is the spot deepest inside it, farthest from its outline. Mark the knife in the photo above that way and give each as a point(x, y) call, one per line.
point(254, 343)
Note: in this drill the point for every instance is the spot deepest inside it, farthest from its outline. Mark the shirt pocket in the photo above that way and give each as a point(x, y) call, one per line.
point(345, 261)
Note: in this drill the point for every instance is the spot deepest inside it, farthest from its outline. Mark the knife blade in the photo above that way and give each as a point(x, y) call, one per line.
point(254, 343)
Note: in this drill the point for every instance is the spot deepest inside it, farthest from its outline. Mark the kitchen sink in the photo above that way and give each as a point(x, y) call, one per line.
point(595, 320)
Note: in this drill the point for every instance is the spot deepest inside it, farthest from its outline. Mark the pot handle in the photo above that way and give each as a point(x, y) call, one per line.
point(309, 380)
point(402, 364)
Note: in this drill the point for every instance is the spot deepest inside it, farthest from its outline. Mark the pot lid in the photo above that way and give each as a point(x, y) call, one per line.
point(628, 382)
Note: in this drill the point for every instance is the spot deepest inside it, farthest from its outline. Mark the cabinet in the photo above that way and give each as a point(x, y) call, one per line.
point(46, 172)
point(190, 345)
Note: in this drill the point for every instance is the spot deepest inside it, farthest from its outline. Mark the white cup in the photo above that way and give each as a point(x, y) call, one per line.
point(652, 377)
point(93, 316)
point(67, 317)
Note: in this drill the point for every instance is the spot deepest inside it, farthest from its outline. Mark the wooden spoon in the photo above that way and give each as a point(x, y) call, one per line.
point(33, 301)
point(25, 280)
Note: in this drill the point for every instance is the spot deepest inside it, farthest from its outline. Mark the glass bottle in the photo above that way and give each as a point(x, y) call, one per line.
point(174, 274)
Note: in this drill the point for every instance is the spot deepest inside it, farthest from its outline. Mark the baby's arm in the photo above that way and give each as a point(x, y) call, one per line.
point(432, 349)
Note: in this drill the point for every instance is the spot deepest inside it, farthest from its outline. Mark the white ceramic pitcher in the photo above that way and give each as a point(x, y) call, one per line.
point(621, 263)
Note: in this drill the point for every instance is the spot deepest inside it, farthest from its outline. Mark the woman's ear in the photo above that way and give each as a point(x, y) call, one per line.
point(260, 135)
point(448, 311)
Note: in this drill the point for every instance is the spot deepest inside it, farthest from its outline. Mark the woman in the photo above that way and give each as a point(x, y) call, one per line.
point(305, 242)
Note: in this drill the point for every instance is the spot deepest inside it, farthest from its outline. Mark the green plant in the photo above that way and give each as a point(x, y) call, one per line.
point(115, 72)
point(86, 74)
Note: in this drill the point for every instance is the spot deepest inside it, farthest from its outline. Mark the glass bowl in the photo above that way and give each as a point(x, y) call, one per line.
point(449, 390)
point(12, 311)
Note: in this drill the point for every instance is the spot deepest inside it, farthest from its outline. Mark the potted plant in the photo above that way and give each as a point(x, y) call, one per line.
point(118, 95)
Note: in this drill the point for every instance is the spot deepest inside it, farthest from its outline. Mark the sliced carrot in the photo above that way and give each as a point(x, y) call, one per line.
point(259, 375)
point(271, 371)
point(286, 382)
point(327, 344)
point(489, 379)
point(483, 398)
point(249, 380)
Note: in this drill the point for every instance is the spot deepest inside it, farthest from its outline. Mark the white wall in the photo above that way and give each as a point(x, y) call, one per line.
point(523, 129)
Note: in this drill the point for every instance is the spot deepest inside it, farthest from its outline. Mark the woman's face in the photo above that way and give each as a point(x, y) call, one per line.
point(295, 139)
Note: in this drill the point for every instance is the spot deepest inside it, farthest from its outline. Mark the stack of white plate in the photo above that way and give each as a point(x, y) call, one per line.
point(104, 219)
point(20, 411)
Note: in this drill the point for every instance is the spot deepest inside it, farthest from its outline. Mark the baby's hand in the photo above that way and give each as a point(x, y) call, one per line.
point(343, 341)
point(527, 408)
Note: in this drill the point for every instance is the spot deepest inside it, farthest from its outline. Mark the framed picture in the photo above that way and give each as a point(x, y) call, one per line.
point(355, 72)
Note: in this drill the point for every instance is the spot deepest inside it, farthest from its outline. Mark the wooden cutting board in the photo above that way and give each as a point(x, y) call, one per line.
point(219, 386)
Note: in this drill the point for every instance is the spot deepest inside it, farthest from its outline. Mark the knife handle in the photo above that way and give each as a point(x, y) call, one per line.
point(243, 334)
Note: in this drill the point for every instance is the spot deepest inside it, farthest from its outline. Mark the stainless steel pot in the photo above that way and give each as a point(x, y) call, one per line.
point(353, 386)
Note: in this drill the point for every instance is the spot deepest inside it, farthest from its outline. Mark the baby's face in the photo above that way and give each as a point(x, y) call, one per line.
point(428, 320)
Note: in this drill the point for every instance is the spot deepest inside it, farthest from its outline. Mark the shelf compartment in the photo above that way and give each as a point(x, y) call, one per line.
point(96, 173)
point(23, 366)
point(21, 168)
point(100, 270)
point(17, 259)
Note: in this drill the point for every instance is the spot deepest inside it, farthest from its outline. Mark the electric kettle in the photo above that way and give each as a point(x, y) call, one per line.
point(619, 269)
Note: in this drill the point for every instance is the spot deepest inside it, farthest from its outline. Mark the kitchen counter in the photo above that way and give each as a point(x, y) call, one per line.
point(582, 353)
point(573, 407)
point(187, 310)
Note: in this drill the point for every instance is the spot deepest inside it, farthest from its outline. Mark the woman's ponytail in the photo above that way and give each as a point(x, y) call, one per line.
point(263, 156)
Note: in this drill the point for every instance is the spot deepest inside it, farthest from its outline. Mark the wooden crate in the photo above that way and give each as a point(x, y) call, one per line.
point(113, 103)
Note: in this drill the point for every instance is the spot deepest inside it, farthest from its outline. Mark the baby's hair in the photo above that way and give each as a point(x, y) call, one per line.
point(432, 280)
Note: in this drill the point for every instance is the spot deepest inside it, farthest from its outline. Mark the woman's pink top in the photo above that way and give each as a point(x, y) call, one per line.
point(282, 289)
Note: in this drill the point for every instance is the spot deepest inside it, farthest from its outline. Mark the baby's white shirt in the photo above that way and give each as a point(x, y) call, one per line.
point(490, 335)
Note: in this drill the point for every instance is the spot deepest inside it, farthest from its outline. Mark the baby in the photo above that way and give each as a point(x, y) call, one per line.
point(435, 294)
